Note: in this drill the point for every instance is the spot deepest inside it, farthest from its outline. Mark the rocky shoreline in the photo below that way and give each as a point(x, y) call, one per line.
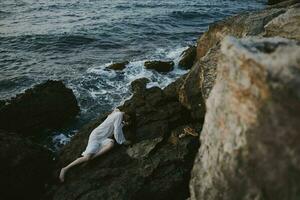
point(243, 89)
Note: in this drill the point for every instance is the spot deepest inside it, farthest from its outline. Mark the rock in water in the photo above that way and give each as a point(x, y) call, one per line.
point(46, 106)
point(25, 167)
point(250, 139)
point(188, 57)
point(160, 66)
point(118, 66)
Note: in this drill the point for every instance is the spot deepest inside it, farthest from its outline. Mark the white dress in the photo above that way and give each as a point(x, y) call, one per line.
point(112, 125)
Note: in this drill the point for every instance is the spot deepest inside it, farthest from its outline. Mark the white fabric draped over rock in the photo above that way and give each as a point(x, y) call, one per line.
point(112, 125)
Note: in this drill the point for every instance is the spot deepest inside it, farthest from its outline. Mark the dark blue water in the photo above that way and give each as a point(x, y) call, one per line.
point(74, 41)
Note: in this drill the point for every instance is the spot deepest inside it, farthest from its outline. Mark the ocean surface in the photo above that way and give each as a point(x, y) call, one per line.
point(74, 41)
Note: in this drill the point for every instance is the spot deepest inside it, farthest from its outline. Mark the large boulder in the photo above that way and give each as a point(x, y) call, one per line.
point(45, 106)
point(195, 88)
point(249, 142)
point(248, 24)
point(196, 85)
point(154, 167)
point(160, 66)
point(188, 57)
point(25, 167)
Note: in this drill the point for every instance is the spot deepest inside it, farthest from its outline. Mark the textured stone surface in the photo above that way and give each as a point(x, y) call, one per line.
point(160, 66)
point(249, 142)
point(286, 25)
point(190, 95)
point(188, 57)
point(25, 167)
point(143, 148)
point(248, 24)
point(45, 106)
point(118, 65)
point(195, 87)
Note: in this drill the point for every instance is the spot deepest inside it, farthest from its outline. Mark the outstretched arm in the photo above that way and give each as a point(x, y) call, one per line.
point(118, 132)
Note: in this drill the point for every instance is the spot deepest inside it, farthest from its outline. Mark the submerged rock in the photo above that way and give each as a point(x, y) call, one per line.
point(249, 142)
point(118, 65)
point(160, 66)
point(188, 58)
point(45, 106)
point(25, 167)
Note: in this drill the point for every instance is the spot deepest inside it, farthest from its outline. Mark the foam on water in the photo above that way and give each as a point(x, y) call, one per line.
point(117, 83)
point(59, 140)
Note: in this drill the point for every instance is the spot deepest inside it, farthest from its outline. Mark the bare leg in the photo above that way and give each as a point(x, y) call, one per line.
point(72, 164)
point(103, 150)
point(83, 159)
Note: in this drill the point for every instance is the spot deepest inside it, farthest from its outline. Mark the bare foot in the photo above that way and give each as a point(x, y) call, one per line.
point(62, 175)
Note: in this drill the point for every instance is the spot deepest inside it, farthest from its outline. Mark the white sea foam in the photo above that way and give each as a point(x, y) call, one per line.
point(118, 83)
point(60, 140)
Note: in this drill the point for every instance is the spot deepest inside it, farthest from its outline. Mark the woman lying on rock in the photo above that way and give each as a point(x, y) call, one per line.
point(99, 140)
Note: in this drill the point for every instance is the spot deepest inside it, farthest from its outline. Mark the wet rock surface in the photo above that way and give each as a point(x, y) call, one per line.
point(25, 167)
point(188, 57)
point(248, 142)
point(160, 66)
point(118, 65)
point(46, 106)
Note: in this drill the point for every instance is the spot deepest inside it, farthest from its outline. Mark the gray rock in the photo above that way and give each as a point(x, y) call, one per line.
point(286, 25)
point(249, 142)
point(143, 148)
point(249, 24)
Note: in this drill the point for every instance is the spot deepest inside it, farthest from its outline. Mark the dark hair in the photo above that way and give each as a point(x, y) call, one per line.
point(129, 116)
